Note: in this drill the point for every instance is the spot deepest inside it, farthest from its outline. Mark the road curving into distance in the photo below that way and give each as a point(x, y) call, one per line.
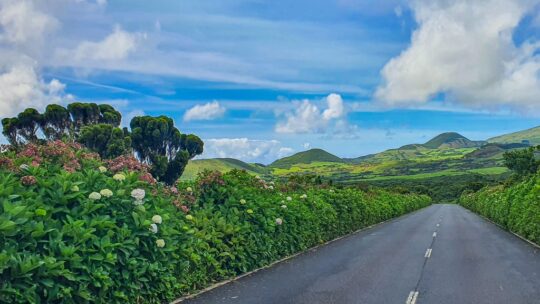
point(440, 254)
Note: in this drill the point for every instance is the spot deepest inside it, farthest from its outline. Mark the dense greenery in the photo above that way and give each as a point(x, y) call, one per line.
point(155, 140)
point(515, 207)
point(522, 162)
point(75, 229)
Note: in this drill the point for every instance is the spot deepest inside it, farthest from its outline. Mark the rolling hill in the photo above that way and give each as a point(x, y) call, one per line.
point(306, 157)
point(196, 166)
point(532, 136)
point(451, 140)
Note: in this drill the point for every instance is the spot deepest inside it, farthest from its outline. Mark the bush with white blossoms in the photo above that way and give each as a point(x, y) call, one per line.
point(138, 194)
point(160, 243)
point(153, 228)
point(119, 177)
point(94, 196)
point(106, 193)
point(157, 219)
point(279, 221)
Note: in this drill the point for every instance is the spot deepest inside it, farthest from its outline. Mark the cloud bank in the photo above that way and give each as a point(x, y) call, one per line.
point(465, 50)
point(248, 150)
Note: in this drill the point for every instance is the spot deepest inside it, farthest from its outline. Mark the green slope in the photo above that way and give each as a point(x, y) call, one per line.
point(194, 167)
point(306, 157)
point(451, 140)
point(532, 135)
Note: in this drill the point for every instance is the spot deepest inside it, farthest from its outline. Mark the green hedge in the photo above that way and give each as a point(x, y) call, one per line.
point(61, 242)
point(515, 207)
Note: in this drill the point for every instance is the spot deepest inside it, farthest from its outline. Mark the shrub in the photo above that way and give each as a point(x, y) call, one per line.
point(95, 235)
point(515, 207)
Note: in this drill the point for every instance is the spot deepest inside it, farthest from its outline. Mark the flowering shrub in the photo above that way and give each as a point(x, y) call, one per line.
point(82, 235)
point(515, 207)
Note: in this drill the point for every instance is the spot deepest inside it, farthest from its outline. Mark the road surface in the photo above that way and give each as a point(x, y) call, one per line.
point(440, 254)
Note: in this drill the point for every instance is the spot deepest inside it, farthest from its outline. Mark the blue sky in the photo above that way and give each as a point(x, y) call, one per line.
point(259, 79)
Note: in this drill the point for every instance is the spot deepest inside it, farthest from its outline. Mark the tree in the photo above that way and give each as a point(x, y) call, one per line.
point(28, 123)
point(9, 129)
point(109, 115)
point(157, 142)
point(83, 114)
point(106, 140)
point(56, 122)
point(522, 162)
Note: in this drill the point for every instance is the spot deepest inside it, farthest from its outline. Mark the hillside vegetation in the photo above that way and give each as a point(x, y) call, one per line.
point(515, 207)
point(306, 157)
point(223, 165)
point(532, 136)
point(77, 229)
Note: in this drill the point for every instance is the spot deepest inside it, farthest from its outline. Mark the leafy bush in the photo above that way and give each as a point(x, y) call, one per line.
point(515, 207)
point(74, 229)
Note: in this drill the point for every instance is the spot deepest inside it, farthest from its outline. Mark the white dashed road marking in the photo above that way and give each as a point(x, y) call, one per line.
point(428, 253)
point(435, 234)
point(412, 297)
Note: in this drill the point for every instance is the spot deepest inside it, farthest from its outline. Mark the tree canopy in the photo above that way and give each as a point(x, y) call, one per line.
point(156, 141)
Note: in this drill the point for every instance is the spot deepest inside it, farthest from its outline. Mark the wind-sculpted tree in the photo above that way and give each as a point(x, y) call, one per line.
point(157, 142)
point(10, 130)
point(106, 140)
point(109, 115)
point(83, 114)
point(56, 123)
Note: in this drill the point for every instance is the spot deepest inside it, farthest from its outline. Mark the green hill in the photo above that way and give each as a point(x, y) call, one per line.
point(531, 135)
point(223, 165)
point(306, 157)
point(451, 140)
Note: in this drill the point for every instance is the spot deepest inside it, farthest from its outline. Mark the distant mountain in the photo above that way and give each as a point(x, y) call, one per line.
point(306, 157)
point(530, 136)
point(196, 166)
point(451, 140)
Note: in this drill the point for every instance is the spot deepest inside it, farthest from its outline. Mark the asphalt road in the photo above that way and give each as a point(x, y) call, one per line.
point(470, 261)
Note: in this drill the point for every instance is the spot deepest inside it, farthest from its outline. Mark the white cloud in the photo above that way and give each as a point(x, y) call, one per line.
point(465, 49)
point(23, 28)
point(22, 23)
point(208, 111)
point(248, 150)
point(116, 46)
point(308, 118)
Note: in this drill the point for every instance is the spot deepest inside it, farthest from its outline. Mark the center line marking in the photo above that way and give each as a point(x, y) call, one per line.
point(412, 297)
point(435, 234)
point(437, 225)
point(428, 253)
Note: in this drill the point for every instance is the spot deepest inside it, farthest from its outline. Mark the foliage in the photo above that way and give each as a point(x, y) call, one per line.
point(306, 157)
point(515, 207)
point(94, 234)
point(156, 141)
point(56, 122)
point(106, 140)
point(523, 162)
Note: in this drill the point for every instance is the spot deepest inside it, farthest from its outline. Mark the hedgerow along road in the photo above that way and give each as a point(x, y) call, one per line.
point(440, 254)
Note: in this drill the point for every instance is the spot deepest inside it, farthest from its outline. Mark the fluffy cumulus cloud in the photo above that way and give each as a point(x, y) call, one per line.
point(307, 117)
point(465, 50)
point(118, 45)
point(249, 150)
point(23, 29)
point(208, 111)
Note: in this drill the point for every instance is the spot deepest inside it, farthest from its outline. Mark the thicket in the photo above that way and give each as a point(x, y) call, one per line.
point(154, 140)
point(78, 229)
point(514, 206)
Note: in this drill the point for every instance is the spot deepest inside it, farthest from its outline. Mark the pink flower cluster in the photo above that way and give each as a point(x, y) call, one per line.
point(28, 180)
point(126, 163)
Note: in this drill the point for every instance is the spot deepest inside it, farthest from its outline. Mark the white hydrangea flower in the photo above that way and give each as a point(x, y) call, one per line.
point(284, 206)
point(138, 203)
point(271, 187)
point(119, 177)
point(160, 243)
point(138, 194)
point(106, 193)
point(157, 219)
point(102, 169)
point(279, 221)
point(75, 188)
point(289, 198)
point(243, 201)
point(24, 167)
point(153, 228)
point(303, 196)
point(189, 189)
point(94, 196)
